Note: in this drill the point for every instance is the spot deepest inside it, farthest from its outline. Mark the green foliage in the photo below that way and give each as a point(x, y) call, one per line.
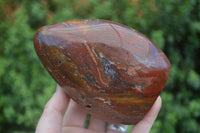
point(158, 38)
point(25, 86)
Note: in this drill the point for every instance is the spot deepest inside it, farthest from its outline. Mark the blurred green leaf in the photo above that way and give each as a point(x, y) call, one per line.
point(158, 38)
point(193, 79)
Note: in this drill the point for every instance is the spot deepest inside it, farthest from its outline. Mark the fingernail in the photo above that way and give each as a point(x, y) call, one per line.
point(58, 88)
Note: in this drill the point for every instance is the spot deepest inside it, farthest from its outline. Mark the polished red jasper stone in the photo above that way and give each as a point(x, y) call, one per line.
point(111, 70)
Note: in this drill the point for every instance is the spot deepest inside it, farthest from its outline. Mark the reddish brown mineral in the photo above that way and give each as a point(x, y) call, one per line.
point(111, 70)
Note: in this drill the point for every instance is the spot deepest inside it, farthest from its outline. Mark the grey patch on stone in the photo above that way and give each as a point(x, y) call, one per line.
point(108, 69)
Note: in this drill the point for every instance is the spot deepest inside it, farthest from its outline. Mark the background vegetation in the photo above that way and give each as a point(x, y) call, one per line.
point(25, 86)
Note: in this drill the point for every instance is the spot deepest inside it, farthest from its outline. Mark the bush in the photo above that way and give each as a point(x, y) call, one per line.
point(26, 86)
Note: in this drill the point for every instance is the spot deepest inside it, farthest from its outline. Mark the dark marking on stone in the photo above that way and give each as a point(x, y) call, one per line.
point(59, 62)
point(147, 105)
point(82, 67)
point(88, 106)
point(90, 79)
point(127, 84)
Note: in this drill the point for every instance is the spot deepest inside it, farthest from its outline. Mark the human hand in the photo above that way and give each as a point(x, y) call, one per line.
point(53, 121)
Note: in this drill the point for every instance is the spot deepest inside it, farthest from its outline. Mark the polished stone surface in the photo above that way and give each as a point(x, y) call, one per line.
point(111, 70)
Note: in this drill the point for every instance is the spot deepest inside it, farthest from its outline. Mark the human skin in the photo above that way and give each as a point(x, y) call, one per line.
point(62, 115)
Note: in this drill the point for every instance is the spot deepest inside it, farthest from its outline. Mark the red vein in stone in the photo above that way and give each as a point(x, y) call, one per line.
point(93, 58)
